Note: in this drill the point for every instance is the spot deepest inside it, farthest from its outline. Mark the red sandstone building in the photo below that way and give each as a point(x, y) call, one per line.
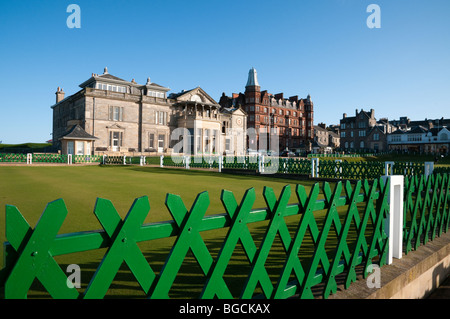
point(291, 119)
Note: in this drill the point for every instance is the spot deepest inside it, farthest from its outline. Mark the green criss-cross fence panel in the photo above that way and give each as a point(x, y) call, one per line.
point(175, 161)
point(87, 159)
point(240, 162)
point(426, 209)
point(351, 170)
point(350, 233)
point(13, 158)
point(204, 161)
point(49, 158)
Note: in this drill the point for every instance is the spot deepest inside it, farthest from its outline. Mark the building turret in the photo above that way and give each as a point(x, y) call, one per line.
point(252, 82)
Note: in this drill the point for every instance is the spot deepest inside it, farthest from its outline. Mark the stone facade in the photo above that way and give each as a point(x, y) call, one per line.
point(363, 132)
point(127, 118)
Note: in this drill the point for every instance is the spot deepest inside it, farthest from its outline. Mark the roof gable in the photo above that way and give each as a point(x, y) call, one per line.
point(195, 95)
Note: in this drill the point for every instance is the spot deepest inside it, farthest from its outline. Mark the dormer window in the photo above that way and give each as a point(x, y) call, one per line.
point(113, 88)
point(155, 94)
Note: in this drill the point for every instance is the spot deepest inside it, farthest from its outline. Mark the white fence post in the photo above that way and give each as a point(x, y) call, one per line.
point(188, 162)
point(30, 158)
point(104, 156)
point(142, 160)
point(429, 168)
point(161, 161)
point(220, 163)
point(394, 222)
point(388, 168)
point(338, 170)
point(315, 167)
point(263, 159)
point(69, 159)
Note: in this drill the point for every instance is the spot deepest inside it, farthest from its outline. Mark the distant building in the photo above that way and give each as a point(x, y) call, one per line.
point(405, 123)
point(421, 139)
point(113, 116)
point(334, 141)
point(290, 119)
point(326, 140)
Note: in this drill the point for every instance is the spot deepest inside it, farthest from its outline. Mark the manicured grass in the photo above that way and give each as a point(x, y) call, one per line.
point(31, 188)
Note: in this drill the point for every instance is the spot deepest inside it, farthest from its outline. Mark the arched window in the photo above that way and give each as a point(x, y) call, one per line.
point(361, 145)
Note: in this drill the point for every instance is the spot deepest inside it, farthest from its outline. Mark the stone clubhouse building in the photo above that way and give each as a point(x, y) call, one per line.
point(112, 116)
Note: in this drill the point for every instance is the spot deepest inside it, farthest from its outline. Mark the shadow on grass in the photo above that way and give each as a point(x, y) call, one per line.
point(214, 173)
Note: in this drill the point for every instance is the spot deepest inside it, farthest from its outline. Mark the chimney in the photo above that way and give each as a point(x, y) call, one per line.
point(279, 96)
point(344, 115)
point(59, 95)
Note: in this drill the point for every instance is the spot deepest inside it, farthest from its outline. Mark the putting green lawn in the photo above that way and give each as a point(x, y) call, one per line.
point(30, 188)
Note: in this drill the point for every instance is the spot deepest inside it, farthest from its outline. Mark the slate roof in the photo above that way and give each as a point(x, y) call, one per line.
point(78, 133)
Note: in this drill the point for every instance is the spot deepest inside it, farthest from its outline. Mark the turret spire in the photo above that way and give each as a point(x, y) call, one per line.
point(252, 78)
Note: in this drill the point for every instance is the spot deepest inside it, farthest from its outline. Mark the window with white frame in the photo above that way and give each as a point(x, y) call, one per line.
point(116, 113)
point(115, 139)
point(110, 87)
point(414, 138)
point(161, 118)
point(156, 94)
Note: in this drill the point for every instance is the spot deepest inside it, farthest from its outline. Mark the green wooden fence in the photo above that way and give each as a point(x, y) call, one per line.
point(344, 227)
point(336, 169)
point(13, 158)
point(317, 248)
point(426, 209)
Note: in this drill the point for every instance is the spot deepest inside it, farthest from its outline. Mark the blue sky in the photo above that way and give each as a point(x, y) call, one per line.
point(299, 47)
